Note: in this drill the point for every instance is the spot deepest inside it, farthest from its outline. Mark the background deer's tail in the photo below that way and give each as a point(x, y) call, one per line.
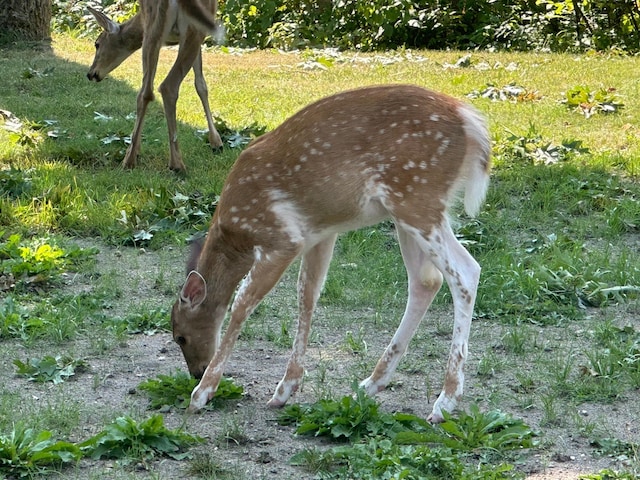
point(477, 160)
point(203, 18)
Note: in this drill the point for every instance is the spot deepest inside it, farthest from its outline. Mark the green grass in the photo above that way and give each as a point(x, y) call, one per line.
point(557, 238)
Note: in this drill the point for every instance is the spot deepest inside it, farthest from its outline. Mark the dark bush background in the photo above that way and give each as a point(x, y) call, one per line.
point(570, 25)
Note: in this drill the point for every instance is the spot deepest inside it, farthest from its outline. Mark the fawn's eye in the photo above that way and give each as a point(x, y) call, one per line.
point(97, 45)
point(181, 340)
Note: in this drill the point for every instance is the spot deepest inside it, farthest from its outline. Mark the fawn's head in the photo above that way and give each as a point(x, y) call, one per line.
point(192, 328)
point(197, 334)
point(198, 314)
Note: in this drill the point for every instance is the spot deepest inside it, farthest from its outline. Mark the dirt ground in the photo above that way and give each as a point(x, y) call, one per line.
point(245, 438)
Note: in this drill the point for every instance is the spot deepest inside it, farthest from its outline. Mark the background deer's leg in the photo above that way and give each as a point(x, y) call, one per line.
point(424, 282)
point(201, 88)
point(462, 274)
point(150, 50)
point(188, 51)
point(313, 271)
point(265, 273)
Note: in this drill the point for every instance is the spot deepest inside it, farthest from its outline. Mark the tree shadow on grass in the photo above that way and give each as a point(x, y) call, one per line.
point(71, 135)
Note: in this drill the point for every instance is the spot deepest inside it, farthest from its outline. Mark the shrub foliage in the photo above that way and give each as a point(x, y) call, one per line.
point(382, 24)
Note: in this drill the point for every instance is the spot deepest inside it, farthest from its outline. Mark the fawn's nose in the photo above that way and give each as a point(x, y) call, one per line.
point(199, 372)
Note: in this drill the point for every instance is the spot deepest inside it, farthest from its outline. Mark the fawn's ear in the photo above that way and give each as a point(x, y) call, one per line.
point(194, 290)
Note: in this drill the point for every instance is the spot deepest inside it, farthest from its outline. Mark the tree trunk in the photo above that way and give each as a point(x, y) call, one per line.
point(25, 20)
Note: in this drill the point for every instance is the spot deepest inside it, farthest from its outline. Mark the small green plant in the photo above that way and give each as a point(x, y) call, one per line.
point(14, 320)
point(382, 458)
point(15, 182)
point(49, 369)
point(175, 390)
point(608, 474)
point(30, 260)
point(282, 337)
point(127, 440)
point(517, 339)
point(31, 72)
point(355, 343)
point(510, 92)
point(233, 432)
point(236, 138)
point(348, 419)
point(206, 466)
point(493, 430)
point(615, 447)
point(356, 417)
point(489, 364)
point(164, 213)
point(587, 102)
point(534, 148)
point(405, 446)
point(25, 134)
point(25, 451)
point(38, 260)
point(621, 354)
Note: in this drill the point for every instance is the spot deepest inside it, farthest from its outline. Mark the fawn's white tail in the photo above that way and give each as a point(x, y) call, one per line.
point(476, 160)
point(346, 161)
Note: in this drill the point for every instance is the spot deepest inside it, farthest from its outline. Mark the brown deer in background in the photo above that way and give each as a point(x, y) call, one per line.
point(160, 22)
point(345, 162)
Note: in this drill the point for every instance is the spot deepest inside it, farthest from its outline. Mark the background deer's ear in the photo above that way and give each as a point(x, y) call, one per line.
point(105, 22)
point(194, 290)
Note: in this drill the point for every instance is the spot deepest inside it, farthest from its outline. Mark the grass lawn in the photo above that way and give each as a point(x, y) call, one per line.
point(92, 258)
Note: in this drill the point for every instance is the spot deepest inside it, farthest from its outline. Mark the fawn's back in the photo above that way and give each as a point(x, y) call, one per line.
point(354, 159)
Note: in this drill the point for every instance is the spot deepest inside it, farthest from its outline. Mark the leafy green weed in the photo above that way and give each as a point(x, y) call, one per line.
point(49, 369)
point(38, 260)
point(26, 451)
point(588, 102)
point(127, 440)
point(175, 390)
point(383, 445)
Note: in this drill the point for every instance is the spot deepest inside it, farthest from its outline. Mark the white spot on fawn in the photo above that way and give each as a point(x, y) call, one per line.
point(409, 165)
point(443, 146)
point(289, 218)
